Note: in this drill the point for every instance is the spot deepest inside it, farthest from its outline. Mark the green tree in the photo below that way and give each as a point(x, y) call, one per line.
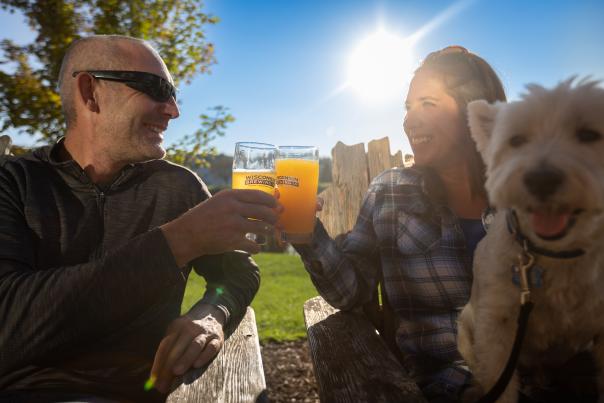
point(29, 101)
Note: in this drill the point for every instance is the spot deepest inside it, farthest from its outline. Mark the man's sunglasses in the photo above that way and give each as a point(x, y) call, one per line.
point(156, 87)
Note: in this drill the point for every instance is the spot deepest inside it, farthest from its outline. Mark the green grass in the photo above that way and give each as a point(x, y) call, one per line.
point(284, 287)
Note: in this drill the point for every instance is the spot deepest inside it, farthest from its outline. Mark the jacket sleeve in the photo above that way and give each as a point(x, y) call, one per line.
point(345, 272)
point(232, 279)
point(45, 311)
point(232, 282)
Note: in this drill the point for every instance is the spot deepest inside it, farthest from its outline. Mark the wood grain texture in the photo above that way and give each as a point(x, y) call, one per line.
point(344, 195)
point(5, 143)
point(236, 375)
point(378, 157)
point(352, 172)
point(397, 159)
point(351, 361)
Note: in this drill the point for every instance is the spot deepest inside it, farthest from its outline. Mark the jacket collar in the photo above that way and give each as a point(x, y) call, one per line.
point(73, 173)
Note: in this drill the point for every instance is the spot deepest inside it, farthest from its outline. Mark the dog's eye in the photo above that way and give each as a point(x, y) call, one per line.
point(588, 135)
point(517, 140)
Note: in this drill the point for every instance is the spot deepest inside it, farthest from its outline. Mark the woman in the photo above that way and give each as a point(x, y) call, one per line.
point(418, 227)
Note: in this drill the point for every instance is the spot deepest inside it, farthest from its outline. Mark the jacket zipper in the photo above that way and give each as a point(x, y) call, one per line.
point(100, 200)
point(101, 204)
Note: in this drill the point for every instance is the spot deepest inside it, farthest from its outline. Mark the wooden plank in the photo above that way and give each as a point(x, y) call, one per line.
point(351, 361)
point(236, 374)
point(5, 143)
point(349, 184)
point(378, 157)
point(397, 159)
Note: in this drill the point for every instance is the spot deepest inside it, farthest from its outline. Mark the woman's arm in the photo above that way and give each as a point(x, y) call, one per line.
point(345, 272)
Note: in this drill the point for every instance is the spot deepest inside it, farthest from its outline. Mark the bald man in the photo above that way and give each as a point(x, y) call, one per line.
point(98, 235)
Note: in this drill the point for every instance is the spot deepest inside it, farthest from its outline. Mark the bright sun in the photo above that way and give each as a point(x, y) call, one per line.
point(380, 66)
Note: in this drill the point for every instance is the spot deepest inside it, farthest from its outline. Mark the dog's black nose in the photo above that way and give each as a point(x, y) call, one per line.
point(543, 181)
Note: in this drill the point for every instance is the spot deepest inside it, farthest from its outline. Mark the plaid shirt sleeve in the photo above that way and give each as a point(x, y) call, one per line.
point(345, 273)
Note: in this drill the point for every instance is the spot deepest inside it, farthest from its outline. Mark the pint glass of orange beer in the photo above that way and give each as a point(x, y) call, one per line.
point(297, 180)
point(254, 168)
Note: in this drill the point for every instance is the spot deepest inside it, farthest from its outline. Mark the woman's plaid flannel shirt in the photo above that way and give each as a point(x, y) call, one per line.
point(421, 251)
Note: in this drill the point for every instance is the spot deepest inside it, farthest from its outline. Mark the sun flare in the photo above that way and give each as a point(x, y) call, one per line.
point(380, 66)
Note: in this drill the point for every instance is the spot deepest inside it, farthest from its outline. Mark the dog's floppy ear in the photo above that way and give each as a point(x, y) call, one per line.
point(481, 118)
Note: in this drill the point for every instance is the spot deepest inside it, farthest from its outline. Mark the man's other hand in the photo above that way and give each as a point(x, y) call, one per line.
point(188, 343)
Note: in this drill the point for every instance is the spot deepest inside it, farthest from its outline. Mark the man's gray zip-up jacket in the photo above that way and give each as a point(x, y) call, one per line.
point(88, 283)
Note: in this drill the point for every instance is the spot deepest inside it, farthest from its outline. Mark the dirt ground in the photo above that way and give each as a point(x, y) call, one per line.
point(289, 373)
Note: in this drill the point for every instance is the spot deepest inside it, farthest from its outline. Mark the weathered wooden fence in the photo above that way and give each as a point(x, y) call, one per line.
point(5, 143)
point(352, 171)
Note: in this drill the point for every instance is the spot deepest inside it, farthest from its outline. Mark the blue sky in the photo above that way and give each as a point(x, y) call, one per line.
point(283, 65)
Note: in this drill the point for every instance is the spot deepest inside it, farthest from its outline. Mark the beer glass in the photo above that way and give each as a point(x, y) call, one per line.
point(254, 168)
point(297, 181)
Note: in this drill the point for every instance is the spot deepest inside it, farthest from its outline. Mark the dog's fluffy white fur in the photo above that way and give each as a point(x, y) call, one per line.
point(552, 136)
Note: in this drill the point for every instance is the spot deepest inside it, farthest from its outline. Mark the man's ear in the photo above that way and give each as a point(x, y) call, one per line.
point(85, 91)
point(481, 119)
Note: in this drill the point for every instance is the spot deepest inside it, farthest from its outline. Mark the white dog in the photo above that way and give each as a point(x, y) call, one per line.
point(545, 177)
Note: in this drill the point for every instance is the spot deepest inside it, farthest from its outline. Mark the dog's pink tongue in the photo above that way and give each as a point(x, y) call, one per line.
point(548, 224)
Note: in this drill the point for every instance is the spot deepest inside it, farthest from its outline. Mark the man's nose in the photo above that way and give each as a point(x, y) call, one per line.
point(170, 108)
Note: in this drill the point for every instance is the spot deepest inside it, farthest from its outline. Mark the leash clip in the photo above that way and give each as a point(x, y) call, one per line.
point(525, 263)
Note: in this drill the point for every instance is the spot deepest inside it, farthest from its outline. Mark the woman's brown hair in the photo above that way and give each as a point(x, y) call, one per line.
point(466, 77)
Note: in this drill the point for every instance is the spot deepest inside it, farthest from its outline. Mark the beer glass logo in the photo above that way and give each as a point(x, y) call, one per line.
point(262, 180)
point(288, 180)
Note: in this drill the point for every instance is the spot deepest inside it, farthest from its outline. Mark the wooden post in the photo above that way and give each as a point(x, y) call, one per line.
point(352, 171)
point(349, 183)
point(5, 143)
point(397, 159)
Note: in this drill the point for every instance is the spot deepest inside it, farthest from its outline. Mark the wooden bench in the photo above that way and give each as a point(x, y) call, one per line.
point(352, 361)
point(235, 375)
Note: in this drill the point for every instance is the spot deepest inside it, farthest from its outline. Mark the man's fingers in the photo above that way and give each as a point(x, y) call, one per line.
point(160, 359)
point(258, 227)
point(255, 197)
point(188, 358)
point(320, 203)
point(248, 210)
point(248, 246)
point(179, 347)
point(212, 348)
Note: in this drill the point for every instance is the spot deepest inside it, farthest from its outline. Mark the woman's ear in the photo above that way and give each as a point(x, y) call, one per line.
point(481, 119)
point(85, 86)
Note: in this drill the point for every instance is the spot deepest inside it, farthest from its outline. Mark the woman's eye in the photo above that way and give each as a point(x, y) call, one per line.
point(428, 103)
point(588, 135)
point(517, 140)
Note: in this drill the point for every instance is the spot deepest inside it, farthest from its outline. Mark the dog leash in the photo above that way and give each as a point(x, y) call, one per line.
point(525, 262)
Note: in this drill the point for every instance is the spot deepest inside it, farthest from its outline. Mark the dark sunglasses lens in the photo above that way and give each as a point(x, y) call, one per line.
point(167, 90)
point(160, 93)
